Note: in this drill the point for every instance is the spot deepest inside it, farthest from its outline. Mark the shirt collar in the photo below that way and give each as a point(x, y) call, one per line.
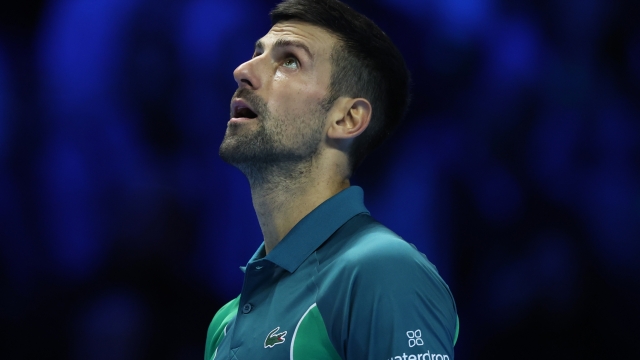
point(314, 229)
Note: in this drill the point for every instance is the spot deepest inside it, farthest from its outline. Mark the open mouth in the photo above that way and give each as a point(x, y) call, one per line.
point(241, 110)
point(244, 112)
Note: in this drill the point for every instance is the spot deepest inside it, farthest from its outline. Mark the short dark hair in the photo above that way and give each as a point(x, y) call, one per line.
point(365, 64)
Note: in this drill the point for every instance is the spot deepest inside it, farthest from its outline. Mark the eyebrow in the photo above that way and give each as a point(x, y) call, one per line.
point(281, 43)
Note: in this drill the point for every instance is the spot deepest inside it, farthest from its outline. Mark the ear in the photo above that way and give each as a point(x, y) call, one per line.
point(349, 118)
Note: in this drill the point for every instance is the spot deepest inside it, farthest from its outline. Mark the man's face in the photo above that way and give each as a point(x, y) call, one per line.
point(278, 113)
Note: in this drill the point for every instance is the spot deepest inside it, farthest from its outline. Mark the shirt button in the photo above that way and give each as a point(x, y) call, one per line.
point(259, 267)
point(246, 308)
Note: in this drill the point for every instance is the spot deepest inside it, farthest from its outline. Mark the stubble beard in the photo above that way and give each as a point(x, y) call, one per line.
point(269, 153)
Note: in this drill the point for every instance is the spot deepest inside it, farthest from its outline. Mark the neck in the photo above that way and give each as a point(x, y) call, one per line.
point(282, 195)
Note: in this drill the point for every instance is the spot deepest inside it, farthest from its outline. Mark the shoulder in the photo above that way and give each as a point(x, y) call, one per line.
point(378, 280)
point(226, 312)
point(375, 249)
point(217, 327)
point(367, 254)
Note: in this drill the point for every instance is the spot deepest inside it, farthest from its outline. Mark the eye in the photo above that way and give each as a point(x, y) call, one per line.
point(291, 63)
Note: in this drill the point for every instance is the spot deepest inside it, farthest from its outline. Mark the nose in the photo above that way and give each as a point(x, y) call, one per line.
point(246, 75)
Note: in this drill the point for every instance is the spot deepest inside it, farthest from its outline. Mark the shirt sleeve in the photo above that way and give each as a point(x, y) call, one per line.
point(216, 330)
point(391, 304)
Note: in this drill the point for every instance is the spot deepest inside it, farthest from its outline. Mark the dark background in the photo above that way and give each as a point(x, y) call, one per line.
point(517, 172)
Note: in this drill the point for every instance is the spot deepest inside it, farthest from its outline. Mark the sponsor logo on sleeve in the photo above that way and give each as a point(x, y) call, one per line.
point(415, 339)
point(424, 356)
point(274, 338)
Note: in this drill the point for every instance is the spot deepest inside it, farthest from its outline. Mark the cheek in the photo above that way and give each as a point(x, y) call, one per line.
point(298, 99)
point(295, 95)
point(279, 76)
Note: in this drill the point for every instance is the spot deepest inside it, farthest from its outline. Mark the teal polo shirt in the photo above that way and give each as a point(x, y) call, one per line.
point(339, 285)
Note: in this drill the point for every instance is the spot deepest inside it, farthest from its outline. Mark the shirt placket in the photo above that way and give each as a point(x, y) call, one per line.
point(257, 276)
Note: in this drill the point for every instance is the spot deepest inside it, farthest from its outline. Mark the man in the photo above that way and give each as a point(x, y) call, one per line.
point(324, 86)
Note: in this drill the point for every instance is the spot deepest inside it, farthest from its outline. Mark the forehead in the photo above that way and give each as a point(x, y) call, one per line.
point(317, 39)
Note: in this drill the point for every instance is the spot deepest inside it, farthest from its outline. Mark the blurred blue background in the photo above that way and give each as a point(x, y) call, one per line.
point(517, 172)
